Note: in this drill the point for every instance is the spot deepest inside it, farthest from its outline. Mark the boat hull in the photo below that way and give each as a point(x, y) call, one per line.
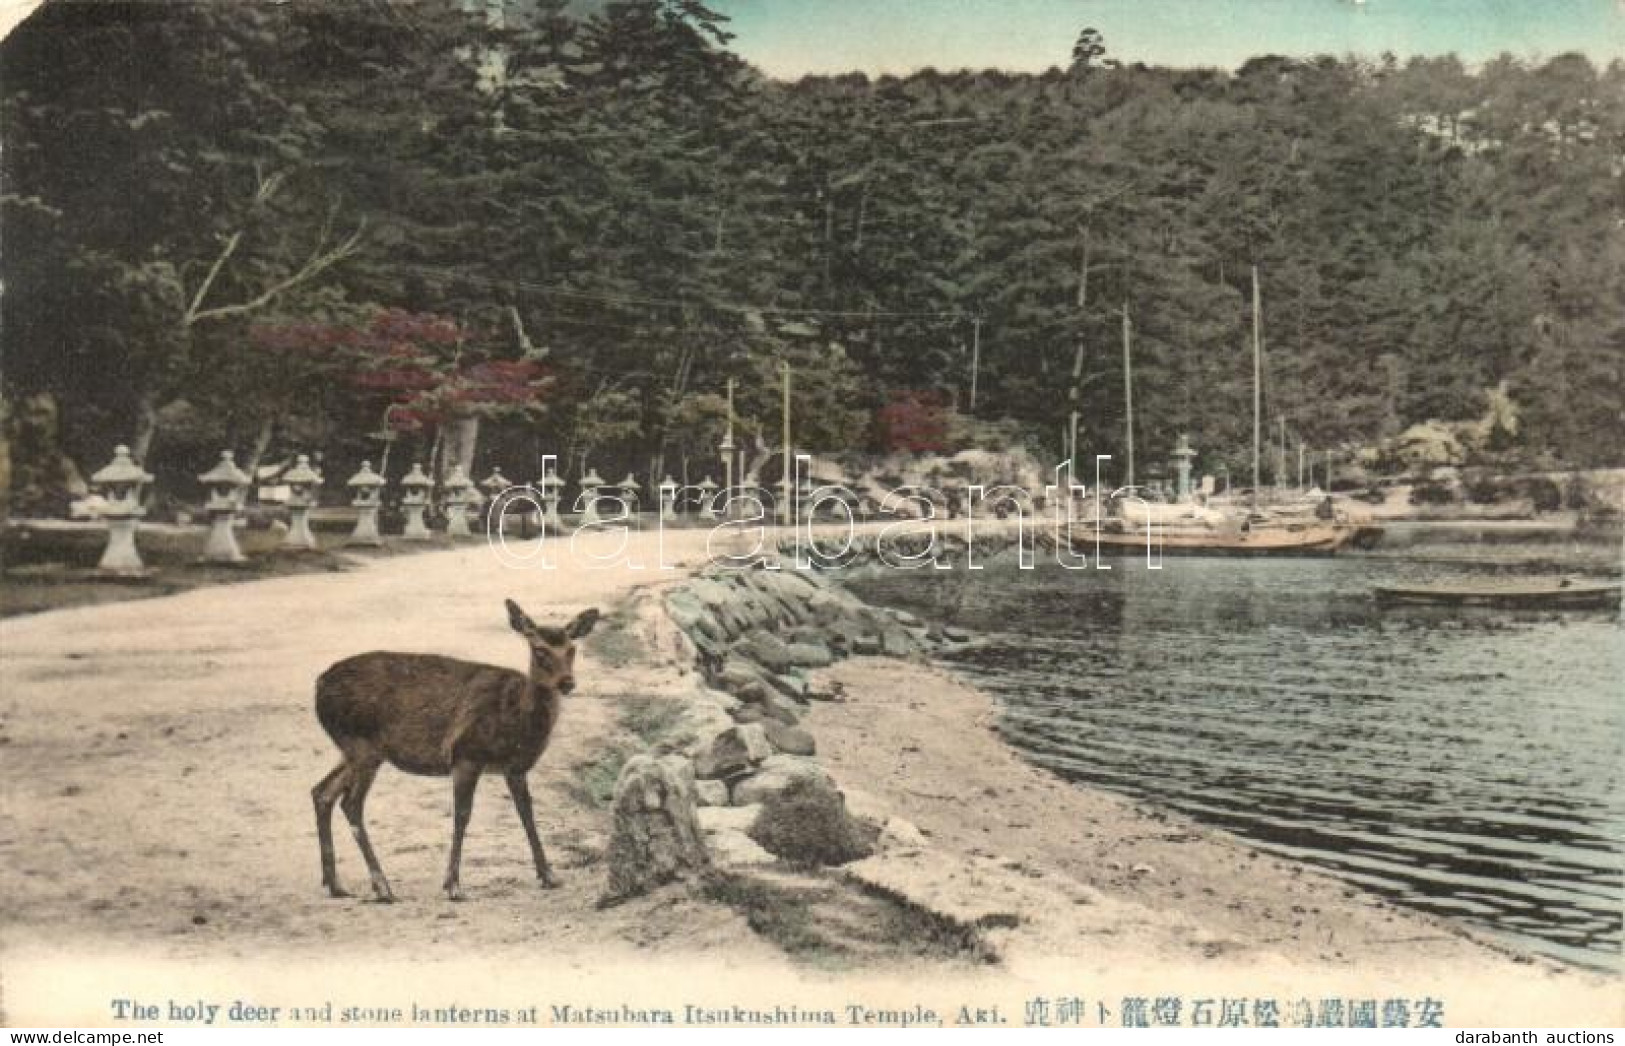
point(1573, 597)
point(1313, 540)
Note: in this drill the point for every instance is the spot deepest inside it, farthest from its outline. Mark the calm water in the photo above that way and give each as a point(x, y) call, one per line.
point(1463, 762)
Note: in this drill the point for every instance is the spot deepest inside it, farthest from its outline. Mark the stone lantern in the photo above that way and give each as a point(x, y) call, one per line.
point(368, 486)
point(590, 483)
point(459, 490)
point(630, 500)
point(550, 484)
point(1183, 453)
point(668, 498)
point(303, 483)
point(226, 483)
point(416, 499)
point(494, 485)
point(120, 483)
point(708, 498)
point(727, 449)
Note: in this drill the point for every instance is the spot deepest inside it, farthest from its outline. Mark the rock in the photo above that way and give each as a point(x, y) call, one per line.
point(868, 645)
point(734, 849)
point(791, 686)
point(697, 724)
point(781, 708)
point(898, 834)
point(654, 838)
point(791, 740)
point(733, 752)
point(767, 650)
point(906, 619)
point(956, 635)
point(743, 680)
point(710, 793)
point(727, 818)
point(810, 655)
point(775, 775)
point(898, 642)
point(958, 892)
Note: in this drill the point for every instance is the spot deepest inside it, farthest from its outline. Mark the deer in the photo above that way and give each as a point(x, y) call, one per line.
point(439, 716)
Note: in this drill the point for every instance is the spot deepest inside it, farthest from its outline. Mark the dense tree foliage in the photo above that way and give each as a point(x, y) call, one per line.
point(620, 215)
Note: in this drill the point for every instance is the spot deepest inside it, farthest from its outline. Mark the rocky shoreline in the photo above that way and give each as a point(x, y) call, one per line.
point(798, 685)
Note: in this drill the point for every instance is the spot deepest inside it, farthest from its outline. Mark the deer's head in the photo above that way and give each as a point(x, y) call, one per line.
point(552, 650)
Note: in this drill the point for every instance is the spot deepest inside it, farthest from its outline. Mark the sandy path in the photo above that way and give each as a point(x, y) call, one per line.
point(159, 756)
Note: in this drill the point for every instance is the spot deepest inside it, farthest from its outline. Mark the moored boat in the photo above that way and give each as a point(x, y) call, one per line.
point(1519, 593)
point(1276, 539)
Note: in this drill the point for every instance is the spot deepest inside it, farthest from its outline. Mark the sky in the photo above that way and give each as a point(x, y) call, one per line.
point(792, 38)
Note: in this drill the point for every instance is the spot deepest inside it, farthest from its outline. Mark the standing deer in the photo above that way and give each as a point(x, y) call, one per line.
point(439, 716)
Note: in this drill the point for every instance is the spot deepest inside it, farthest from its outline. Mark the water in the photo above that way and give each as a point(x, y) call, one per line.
point(1467, 763)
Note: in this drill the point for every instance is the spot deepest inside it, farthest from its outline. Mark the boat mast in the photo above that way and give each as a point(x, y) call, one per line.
point(1257, 383)
point(1128, 391)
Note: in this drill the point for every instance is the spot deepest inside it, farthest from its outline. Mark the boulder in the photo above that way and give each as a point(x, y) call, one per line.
point(654, 838)
point(775, 774)
point(791, 740)
point(733, 752)
point(767, 650)
point(810, 654)
point(697, 724)
point(775, 706)
point(710, 793)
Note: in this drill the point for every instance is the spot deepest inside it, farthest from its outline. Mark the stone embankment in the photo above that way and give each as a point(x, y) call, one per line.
point(756, 638)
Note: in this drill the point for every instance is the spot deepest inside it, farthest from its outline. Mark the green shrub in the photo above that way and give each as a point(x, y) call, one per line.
point(807, 824)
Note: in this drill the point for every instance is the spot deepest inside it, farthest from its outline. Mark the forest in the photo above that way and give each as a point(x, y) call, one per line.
point(485, 231)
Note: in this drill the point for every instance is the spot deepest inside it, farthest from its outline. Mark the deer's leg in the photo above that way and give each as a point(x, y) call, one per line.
point(354, 803)
point(519, 788)
point(324, 795)
point(465, 775)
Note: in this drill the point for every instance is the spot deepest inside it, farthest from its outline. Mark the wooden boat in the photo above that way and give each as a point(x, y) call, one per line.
point(1512, 593)
point(1292, 539)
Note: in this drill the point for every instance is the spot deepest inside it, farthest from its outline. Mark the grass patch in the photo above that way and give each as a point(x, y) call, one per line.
point(592, 783)
point(650, 718)
point(779, 914)
point(614, 642)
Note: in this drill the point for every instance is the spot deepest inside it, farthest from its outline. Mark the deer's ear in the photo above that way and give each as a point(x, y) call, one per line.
point(582, 624)
point(518, 619)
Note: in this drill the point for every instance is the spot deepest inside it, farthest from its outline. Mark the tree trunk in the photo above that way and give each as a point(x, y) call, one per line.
point(146, 427)
point(262, 443)
point(460, 437)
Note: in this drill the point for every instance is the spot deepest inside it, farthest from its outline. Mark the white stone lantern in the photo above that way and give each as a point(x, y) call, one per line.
point(708, 498)
point(590, 484)
point(494, 485)
point(303, 484)
point(416, 483)
point(630, 495)
point(1183, 453)
point(368, 487)
point(550, 485)
point(668, 498)
point(226, 483)
point(459, 490)
point(121, 483)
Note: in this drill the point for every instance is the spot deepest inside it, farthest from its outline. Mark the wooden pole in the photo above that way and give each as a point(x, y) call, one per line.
point(789, 473)
point(1077, 360)
point(1280, 456)
point(1300, 467)
point(1258, 384)
point(1128, 390)
point(975, 359)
